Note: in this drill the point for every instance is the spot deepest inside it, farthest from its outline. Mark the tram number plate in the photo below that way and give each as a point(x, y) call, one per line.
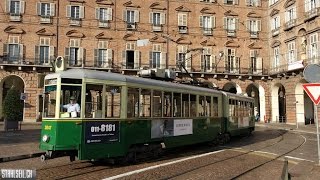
point(102, 132)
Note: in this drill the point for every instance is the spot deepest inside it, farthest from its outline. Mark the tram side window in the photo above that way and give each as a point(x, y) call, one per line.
point(113, 101)
point(93, 104)
point(157, 104)
point(177, 104)
point(233, 109)
point(215, 107)
point(133, 102)
point(167, 106)
point(185, 105)
point(208, 108)
point(49, 101)
point(70, 101)
point(193, 105)
point(202, 106)
point(145, 99)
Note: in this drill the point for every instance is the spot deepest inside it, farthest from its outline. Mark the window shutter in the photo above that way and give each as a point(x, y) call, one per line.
point(307, 5)
point(67, 54)
point(200, 21)
point(98, 13)
point(52, 9)
point(8, 6)
point(225, 23)
point(81, 15)
point(95, 56)
point(39, 8)
point(136, 59)
point(185, 22)
point(136, 16)
point(162, 18)
point(180, 20)
point(124, 59)
point(21, 51)
point(248, 25)
point(213, 21)
point(211, 62)
point(188, 61)
point(81, 56)
point(5, 50)
point(225, 1)
point(109, 57)
point(258, 25)
point(236, 22)
point(51, 52)
point(109, 14)
point(68, 10)
point(22, 4)
point(36, 54)
point(150, 59)
point(235, 2)
point(163, 60)
point(259, 64)
point(151, 17)
point(124, 15)
point(202, 62)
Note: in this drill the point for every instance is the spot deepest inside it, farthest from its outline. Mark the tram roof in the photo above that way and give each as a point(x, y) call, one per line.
point(102, 75)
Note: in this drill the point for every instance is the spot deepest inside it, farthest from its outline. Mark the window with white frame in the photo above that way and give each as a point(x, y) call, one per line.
point(103, 56)
point(254, 26)
point(207, 60)
point(254, 3)
point(157, 58)
point(74, 54)
point(253, 59)
point(231, 2)
point(131, 57)
point(103, 15)
point(157, 18)
point(44, 53)
point(13, 51)
point(313, 46)
point(311, 5)
point(231, 24)
point(291, 14)
point(275, 23)
point(271, 2)
point(45, 9)
point(131, 17)
point(232, 62)
point(276, 57)
point(15, 7)
point(182, 22)
point(291, 52)
point(75, 12)
point(183, 58)
point(207, 23)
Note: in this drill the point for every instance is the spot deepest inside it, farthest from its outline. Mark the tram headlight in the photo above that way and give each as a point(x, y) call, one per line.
point(45, 138)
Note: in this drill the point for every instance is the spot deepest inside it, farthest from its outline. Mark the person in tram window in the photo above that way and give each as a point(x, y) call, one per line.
point(73, 107)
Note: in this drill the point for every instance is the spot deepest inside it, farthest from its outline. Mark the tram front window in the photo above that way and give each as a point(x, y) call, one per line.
point(70, 100)
point(49, 101)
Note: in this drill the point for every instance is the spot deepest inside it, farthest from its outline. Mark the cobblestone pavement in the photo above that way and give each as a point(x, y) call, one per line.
point(236, 158)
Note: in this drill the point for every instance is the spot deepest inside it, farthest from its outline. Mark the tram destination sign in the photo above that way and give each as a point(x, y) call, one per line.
point(312, 73)
point(102, 132)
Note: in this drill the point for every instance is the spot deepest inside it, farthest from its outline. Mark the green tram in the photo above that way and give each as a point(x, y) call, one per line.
point(127, 117)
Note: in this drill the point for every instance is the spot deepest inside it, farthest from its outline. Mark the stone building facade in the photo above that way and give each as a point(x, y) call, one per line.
point(235, 44)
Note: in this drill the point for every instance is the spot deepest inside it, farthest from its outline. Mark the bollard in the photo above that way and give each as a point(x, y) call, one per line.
point(285, 173)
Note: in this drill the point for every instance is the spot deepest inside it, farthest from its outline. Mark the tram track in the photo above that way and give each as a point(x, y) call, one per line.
point(78, 169)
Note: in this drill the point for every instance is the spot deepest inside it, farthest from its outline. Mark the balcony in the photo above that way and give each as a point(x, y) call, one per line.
point(253, 34)
point(313, 13)
point(183, 29)
point(275, 32)
point(231, 33)
point(75, 22)
point(157, 28)
point(100, 64)
point(131, 26)
point(207, 31)
point(290, 24)
point(45, 20)
point(15, 17)
point(104, 24)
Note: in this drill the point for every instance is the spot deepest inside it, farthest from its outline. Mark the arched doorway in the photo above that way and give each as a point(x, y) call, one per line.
point(304, 106)
point(257, 92)
point(6, 84)
point(278, 103)
point(232, 88)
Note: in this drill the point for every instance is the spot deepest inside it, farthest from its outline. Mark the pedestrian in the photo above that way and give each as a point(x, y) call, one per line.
point(257, 117)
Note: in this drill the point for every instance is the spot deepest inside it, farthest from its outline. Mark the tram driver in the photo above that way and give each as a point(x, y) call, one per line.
point(73, 107)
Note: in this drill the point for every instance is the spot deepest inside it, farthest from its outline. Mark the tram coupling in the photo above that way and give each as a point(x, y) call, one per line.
point(55, 154)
